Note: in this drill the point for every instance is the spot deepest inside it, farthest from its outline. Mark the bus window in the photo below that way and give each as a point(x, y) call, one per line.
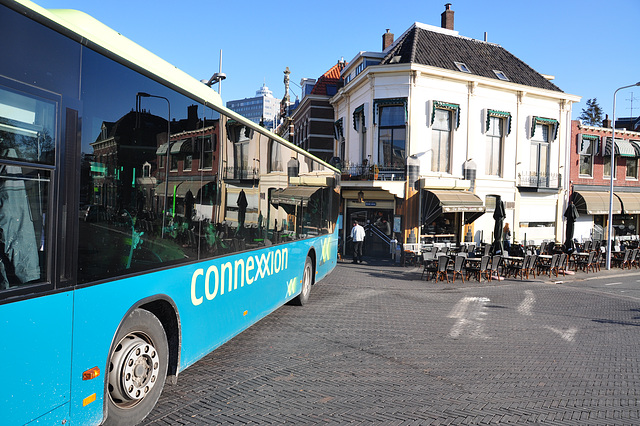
point(139, 172)
point(27, 130)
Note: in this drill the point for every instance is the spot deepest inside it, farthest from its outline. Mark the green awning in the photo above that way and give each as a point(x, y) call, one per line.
point(358, 118)
point(551, 122)
point(389, 101)
point(455, 108)
point(499, 114)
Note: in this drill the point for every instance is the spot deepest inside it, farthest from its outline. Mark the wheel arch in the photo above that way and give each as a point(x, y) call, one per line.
point(165, 309)
point(312, 254)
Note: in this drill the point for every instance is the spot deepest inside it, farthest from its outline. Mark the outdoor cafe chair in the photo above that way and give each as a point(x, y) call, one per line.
point(496, 261)
point(443, 264)
point(543, 247)
point(429, 263)
point(457, 267)
point(562, 265)
point(554, 264)
point(544, 264)
point(625, 259)
point(588, 263)
point(519, 268)
point(632, 258)
point(511, 266)
point(480, 270)
point(531, 267)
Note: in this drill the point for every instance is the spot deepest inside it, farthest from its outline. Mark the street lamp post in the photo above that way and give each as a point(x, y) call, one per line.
point(612, 174)
point(166, 166)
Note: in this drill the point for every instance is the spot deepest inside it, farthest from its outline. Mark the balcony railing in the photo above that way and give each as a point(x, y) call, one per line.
point(539, 180)
point(352, 171)
point(241, 173)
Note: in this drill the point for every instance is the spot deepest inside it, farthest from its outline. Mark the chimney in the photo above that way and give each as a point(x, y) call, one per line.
point(606, 123)
point(387, 39)
point(447, 17)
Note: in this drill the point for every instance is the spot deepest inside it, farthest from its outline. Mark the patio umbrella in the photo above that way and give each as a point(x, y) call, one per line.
point(242, 210)
point(571, 214)
point(498, 215)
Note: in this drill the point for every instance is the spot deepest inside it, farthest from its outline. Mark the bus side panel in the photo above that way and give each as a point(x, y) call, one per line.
point(35, 352)
point(326, 254)
point(216, 299)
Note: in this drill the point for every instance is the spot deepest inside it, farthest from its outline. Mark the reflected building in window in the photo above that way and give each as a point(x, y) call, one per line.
point(262, 108)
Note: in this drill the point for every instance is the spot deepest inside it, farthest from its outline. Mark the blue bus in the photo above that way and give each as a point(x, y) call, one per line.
point(142, 224)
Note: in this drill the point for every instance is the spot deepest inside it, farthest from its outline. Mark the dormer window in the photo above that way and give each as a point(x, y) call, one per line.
point(501, 75)
point(462, 67)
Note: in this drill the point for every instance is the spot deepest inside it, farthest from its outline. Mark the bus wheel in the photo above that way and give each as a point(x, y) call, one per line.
point(307, 280)
point(137, 369)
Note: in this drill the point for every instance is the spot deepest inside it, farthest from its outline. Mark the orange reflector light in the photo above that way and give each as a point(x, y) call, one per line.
point(91, 373)
point(245, 313)
point(88, 400)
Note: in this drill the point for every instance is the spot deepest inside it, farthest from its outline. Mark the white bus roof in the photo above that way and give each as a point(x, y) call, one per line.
point(95, 34)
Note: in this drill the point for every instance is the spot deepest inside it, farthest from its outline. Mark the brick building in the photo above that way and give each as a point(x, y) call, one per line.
point(590, 180)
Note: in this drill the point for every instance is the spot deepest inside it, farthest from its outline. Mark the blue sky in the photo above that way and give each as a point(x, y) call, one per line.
point(588, 45)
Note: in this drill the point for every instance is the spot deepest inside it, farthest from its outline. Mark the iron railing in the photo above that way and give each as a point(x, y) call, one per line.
point(353, 171)
point(529, 179)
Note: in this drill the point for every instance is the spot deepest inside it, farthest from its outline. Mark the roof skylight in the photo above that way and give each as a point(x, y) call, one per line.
point(463, 67)
point(501, 75)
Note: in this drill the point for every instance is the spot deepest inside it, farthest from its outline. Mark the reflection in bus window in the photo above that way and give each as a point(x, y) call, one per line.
point(23, 204)
point(27, 130)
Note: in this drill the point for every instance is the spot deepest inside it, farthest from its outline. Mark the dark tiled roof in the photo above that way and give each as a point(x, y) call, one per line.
point(435, 49)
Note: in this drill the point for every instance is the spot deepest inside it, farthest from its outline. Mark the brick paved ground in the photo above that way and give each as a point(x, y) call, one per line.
point(377, 345)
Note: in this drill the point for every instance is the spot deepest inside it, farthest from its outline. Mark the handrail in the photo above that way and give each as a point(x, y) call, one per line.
point(385, 238)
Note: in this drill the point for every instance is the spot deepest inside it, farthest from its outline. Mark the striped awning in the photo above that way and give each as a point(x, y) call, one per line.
point(630, 202)
point(588, 202)
point(293, 195)
point(436, 202)
point(162, 149)
point(193, 186)
point(622, 147)
point(181, 146)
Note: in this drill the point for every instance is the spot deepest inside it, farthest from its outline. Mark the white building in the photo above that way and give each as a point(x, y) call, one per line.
point(470, 120)
point(263, 107)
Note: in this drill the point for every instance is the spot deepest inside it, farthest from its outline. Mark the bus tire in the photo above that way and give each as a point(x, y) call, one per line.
point(137, 369)
point(307, 281)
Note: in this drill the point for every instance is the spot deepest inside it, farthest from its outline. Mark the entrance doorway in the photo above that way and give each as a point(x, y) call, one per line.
point(378, 224)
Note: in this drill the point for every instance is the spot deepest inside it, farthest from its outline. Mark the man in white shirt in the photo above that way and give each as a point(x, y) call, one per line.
point(357, 235)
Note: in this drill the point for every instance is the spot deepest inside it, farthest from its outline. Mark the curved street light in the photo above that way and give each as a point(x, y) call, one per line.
point(612, 174)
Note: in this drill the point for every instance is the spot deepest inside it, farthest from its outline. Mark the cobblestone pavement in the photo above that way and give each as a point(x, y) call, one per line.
point(378, 345)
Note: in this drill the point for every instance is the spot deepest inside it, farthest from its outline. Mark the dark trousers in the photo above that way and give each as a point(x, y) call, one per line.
point(357, 251)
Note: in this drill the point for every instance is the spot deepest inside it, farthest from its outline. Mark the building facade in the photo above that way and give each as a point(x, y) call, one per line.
point(590, 182)
point(435, 129)
point(262, 108)
point(312, 118)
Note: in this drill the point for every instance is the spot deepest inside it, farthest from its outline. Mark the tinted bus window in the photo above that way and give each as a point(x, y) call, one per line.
point(27, 137)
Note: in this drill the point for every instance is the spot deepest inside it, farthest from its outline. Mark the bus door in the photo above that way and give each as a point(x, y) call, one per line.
point(35, 317)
